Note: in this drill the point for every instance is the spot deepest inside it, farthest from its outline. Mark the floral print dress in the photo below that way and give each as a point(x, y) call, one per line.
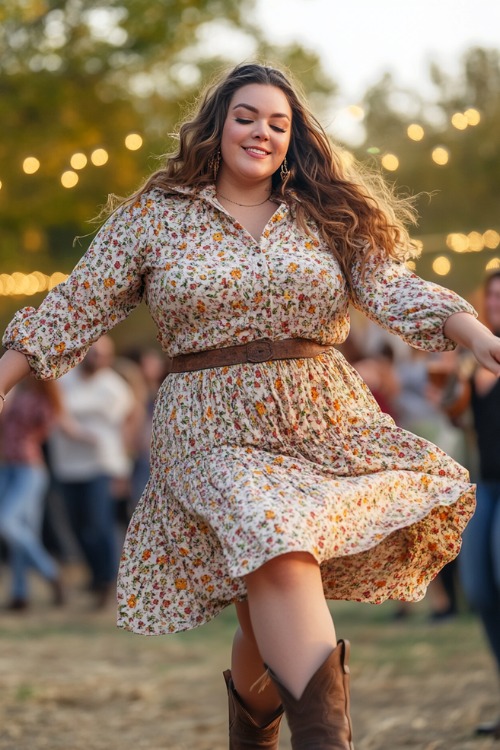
point(255, 460)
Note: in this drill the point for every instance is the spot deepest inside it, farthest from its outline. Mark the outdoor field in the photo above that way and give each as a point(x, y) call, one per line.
point(69, 680)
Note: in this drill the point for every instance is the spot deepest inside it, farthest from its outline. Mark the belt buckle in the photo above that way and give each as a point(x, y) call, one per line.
point(259, 351)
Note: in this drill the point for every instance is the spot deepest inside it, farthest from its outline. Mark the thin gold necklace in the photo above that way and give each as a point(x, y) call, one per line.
point(244, 205)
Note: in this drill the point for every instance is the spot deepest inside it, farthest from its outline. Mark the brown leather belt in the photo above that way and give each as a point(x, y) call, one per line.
point(261, 350)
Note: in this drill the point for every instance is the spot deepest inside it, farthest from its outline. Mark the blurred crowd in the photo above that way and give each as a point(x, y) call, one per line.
point(74, 460)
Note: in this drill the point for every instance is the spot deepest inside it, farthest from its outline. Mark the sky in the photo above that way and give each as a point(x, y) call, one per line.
point(360, 39)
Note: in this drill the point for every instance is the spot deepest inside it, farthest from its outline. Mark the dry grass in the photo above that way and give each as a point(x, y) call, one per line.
point(70, 680)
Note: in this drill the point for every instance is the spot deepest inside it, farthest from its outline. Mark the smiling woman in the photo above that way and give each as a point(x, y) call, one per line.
point(276, 481)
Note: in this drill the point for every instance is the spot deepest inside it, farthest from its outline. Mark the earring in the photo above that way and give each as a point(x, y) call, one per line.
point(214, 163)
point(284, 171)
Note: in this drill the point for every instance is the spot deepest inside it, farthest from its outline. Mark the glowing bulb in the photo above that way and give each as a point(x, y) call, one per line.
point(31, 165)
point(441, 265)
point(133, 141)
point(491, 239)
point(390, 162)
point(473, 116)
point(440, 155)
point(492, 265)
point(99, 157)
point(69, 179)
point(415, 132)
point(78, 161)
point(476, 242)
point(459, 121)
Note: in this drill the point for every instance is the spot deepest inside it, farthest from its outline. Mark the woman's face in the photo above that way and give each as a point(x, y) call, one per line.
point(256, 133)
point(492, 304)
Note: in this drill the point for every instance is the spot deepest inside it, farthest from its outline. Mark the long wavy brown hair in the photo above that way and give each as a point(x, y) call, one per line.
point(357, 213)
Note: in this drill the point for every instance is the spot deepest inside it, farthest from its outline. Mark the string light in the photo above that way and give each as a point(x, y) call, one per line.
point(441, 265)
point(31, 165)
point(440, 155)
point(459, 121)
point(390, 162)
point(78, 161)
point(28, 283)
point(99, 157)
point(69, 179)
point(133, 141)
point(415, 132)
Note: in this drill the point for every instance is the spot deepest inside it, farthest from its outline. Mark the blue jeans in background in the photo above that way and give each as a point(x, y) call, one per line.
point(22, 494)
point(90, 510)
point(479, 562)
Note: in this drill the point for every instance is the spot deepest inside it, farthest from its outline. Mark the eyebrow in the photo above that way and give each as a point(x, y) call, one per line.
point(254, 109)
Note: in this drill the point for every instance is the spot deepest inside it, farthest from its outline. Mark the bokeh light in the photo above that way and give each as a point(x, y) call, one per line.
point(473, 116)
point(491, 239)
point(492, 265)
point(441, 265)
point(390, 162)
point(78, 160)
point(69, 179)
point(133, 141)
point(459, 121)
point(31, 165)
point(99, 157)
point(415, 132)
point(440, 155)
point(476, 242)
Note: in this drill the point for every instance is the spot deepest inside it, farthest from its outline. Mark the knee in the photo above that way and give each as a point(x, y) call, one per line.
point(284, 571)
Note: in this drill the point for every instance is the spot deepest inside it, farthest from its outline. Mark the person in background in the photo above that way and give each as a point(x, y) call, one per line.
point(479, 560)
point(24, 427)
point(99, 401)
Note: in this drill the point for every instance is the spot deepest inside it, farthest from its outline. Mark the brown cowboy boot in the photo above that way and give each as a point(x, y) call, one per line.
point(320, 719)
point(244, 732)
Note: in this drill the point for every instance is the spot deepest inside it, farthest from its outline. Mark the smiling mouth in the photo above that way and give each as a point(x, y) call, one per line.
point(258, 151)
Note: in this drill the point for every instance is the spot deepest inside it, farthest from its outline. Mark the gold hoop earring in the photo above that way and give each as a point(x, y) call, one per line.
point(214, 163)
point(284, 171)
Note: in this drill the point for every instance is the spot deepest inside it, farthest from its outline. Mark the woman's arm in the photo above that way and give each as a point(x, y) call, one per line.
point(464, 329)
point(13, 368)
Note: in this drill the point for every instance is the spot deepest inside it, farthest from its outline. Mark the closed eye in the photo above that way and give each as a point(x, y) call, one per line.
point(246, 121)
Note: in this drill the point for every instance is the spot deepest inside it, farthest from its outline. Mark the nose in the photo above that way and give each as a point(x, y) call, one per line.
point(261, 130)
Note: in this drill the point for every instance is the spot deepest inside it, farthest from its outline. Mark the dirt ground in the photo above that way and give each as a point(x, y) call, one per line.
point(70, 680)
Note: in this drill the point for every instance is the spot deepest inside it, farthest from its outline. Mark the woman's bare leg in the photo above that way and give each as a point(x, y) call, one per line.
point(291, 621)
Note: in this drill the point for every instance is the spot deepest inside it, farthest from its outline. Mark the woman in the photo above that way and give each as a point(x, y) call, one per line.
point(275, 481)
point(24, 428)
point(480, 557)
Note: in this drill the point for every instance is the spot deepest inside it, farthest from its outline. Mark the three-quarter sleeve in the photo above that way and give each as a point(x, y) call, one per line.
point(405, 304)
point(105, 285)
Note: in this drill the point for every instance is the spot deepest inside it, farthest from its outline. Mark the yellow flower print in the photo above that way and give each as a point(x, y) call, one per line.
point(60, 347)
point(279, 460)
point(217, 236)
point(236, 273)
point(180, 584)
point(132, 601)
point(270, 514)
point(109, 282)
point(260, 407)
point(292, 267)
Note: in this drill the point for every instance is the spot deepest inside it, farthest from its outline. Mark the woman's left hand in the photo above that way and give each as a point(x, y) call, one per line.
point(486, 349)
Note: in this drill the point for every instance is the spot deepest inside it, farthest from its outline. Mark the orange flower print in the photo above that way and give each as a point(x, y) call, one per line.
point(270, 514)
point(314, 394)
point(209, 413)
point(180, 584)
point(132, 601)
point(292, 267)
point(260, 407)
point(236, 273)
point(146, 554)
point(109, 282)
point(60, 347)
point(217, 236)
